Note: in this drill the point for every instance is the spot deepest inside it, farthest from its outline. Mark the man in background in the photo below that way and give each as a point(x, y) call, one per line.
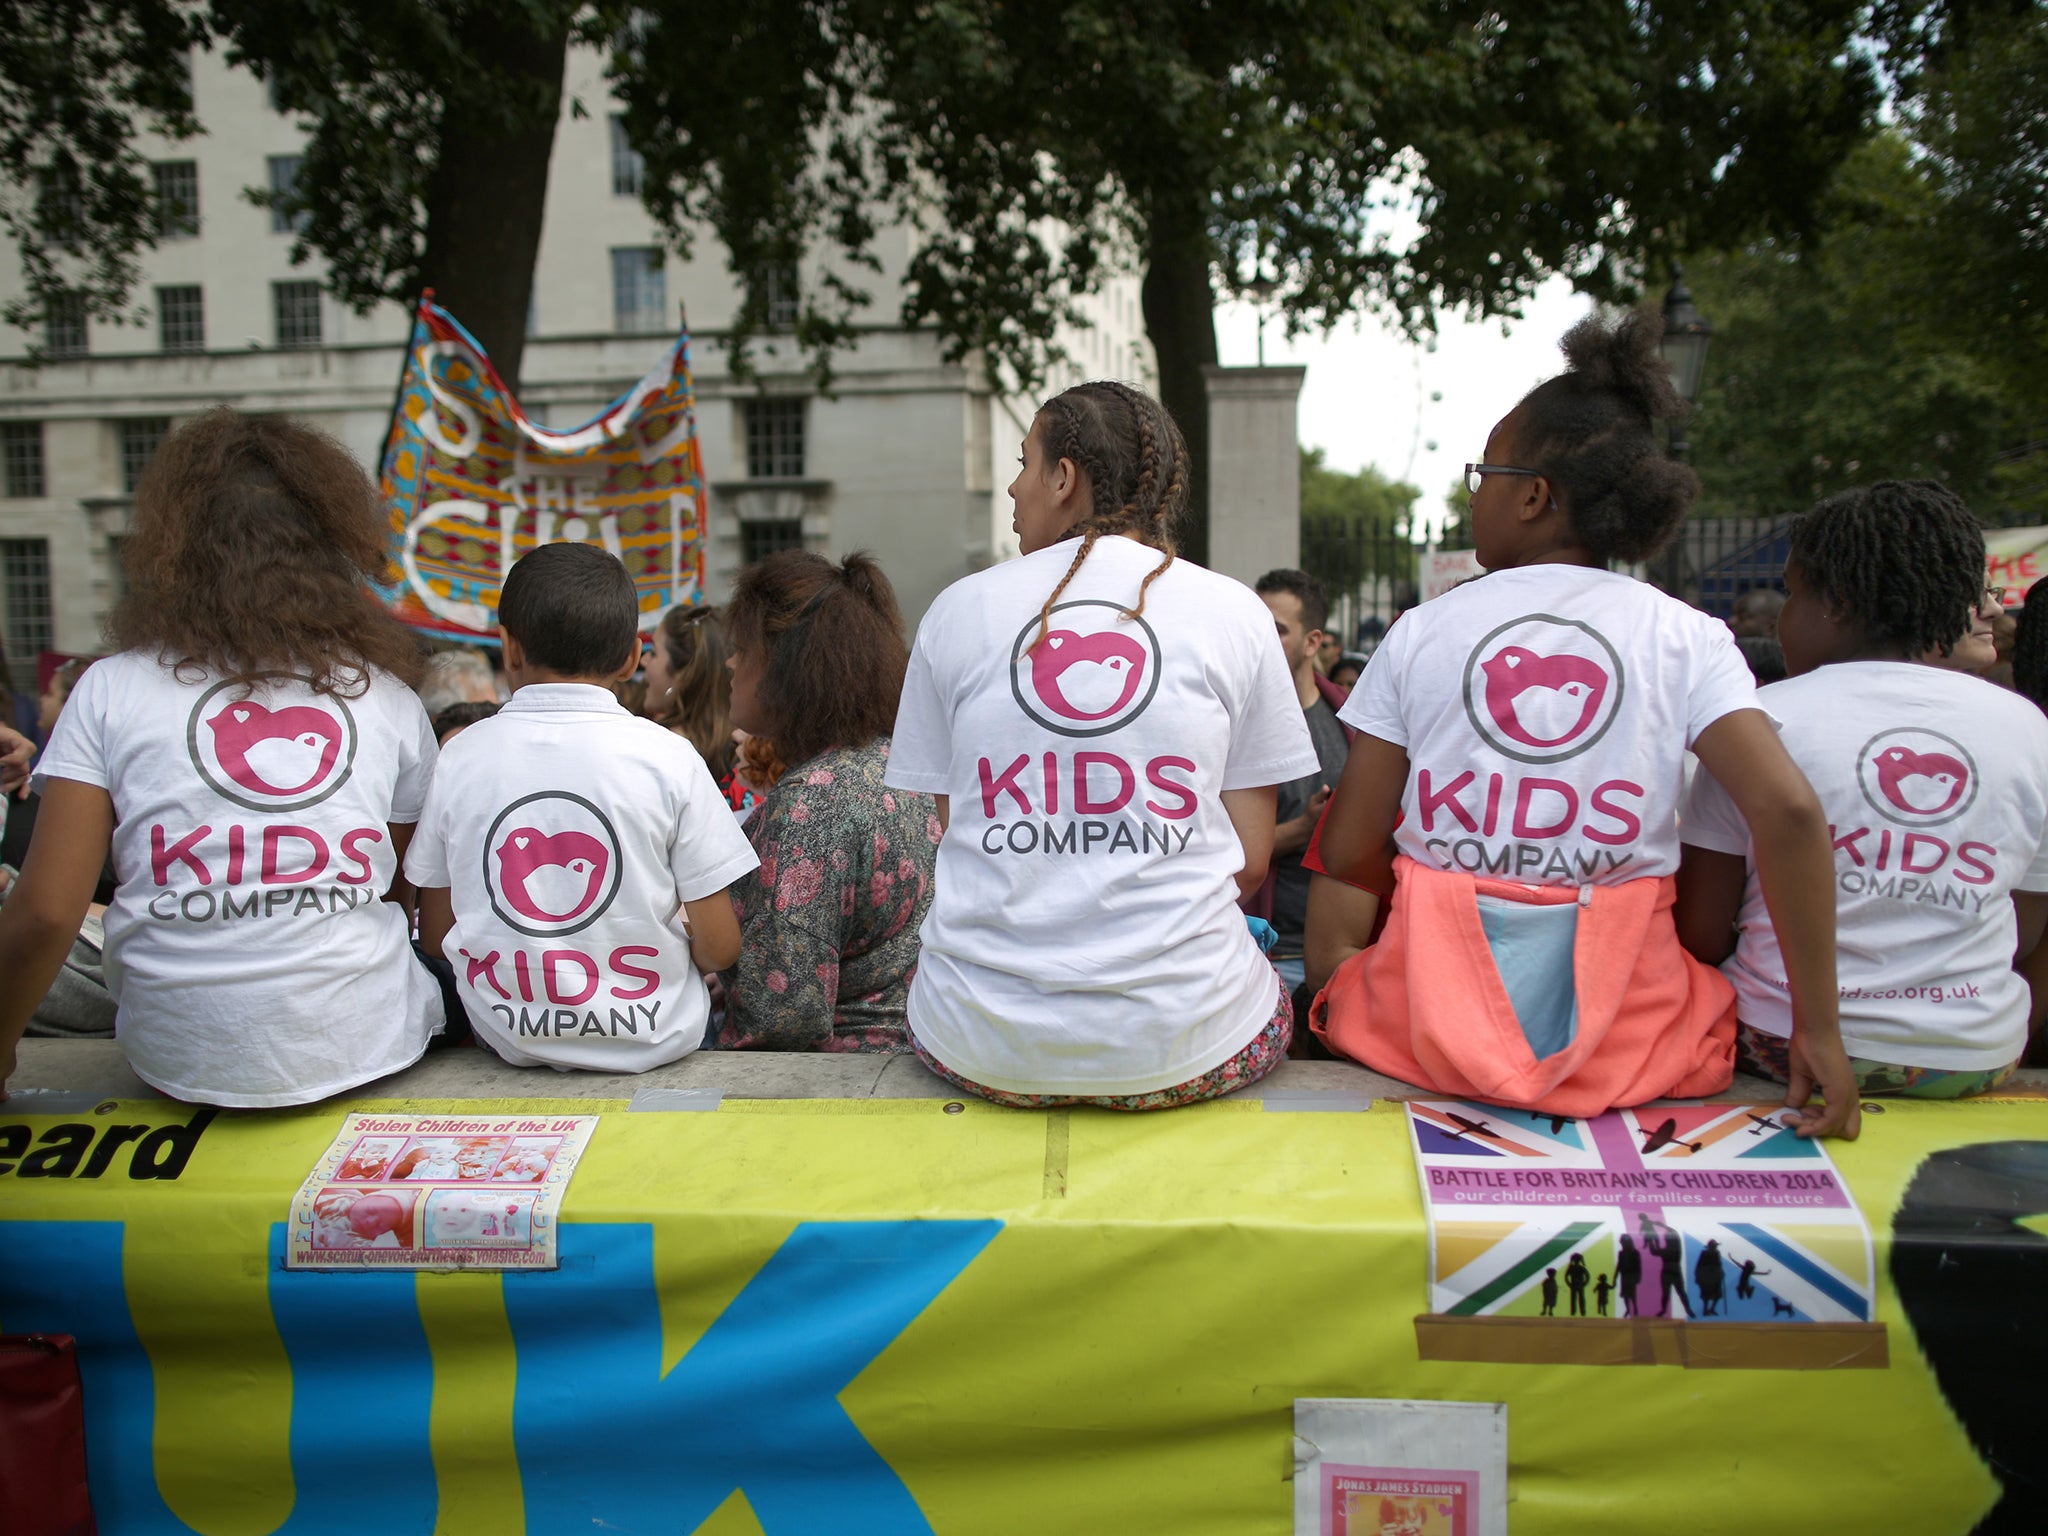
point(1300, 612)
point(1755, 613)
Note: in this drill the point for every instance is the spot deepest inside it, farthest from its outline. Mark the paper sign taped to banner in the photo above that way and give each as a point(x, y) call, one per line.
point(437, 1192)
point(471, 484)
point(1708, 1212)
point(1365, 1467)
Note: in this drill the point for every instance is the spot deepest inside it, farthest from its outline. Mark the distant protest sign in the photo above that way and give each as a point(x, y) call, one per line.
point(1439, 570)
point(2015, 558)
point(471, 484)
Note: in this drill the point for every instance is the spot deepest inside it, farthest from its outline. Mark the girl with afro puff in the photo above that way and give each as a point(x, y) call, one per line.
point(1513, 792)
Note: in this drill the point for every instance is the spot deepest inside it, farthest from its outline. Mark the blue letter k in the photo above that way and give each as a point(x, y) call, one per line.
point(606, 1442)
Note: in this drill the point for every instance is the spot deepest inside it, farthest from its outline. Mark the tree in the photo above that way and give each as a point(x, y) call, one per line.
point(76, 78)
point(426, 165)
point(1354, 527)
point(1854, 358)
point(1214, 145)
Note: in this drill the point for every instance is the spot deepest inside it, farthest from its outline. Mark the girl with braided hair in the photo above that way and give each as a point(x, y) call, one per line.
point(1936, 785)
point(1514, 786)
point(1106, 728)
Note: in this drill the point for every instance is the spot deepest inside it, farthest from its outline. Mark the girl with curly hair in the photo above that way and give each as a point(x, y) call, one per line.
point(256, 760)
point(1513, 791)
point(1107, 727)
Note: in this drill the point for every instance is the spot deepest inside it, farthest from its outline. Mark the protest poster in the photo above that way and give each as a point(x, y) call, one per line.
point(2015, 558)
point(1439, 570)
point(1713, 1212)
point(1371, 1467)
point(437, 1192)
point(471, 484)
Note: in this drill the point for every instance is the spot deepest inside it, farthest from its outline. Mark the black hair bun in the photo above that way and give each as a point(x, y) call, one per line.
point(1624, 355)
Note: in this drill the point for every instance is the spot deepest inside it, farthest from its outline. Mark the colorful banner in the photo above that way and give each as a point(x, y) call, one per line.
point(2015, 558)
point(793, 1317)
point(438, 1192)
point(472, 484)
point(1704, 1212)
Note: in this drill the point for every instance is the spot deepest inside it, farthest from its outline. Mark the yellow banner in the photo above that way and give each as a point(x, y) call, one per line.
point(907, 1316)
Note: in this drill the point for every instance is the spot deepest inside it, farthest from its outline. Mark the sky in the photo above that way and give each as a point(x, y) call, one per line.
point(1372, 397)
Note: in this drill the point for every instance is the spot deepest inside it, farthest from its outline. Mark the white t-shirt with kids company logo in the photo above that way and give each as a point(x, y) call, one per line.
point(568, 834)
point(1084, 935)
point(1936, 789)
point(1546, 712)
point(248, 949)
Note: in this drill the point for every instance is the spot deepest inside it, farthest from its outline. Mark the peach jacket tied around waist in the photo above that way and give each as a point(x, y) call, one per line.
point(1429, 1004)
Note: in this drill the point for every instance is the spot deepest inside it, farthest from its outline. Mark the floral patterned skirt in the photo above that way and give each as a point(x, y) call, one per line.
point(1770, 1056)
point(1268, 1048)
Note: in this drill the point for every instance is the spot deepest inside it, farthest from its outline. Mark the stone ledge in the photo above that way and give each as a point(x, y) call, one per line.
point(97, 1067)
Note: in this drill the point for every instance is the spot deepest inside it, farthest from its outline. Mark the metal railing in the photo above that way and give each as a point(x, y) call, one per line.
point(1369, 567)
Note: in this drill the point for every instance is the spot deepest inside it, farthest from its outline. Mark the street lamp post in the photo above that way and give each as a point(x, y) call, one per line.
point(1686, 334)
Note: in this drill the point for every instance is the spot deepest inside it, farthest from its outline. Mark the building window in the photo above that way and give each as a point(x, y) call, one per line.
point(639, 289)
point(628, 169)
point(139, 437)
point(284, 182)
point(177, 199)
point(760, 540)
point(296, 307)
point(775, 439)
point(775, 287)
point(60, 207)
point(64, 333)
point(21, 444)
point(25, 605)
point(181, 319)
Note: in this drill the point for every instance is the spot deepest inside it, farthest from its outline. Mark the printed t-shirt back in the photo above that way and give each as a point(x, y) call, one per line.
point(569, 833)
point(1936, 789)
point(1084, 935)
point(1546, 712)
point(248, 950)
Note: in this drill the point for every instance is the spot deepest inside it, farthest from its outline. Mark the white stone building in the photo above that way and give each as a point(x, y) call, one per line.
point(909, 459)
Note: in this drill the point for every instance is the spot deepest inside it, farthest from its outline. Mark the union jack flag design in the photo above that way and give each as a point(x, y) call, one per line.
point(1714, 1212)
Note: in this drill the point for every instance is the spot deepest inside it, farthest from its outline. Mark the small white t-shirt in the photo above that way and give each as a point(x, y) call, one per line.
point(1084, 935)
point(1546, 712)
point(1936, 789)
point(250, 956)
point(569, 833)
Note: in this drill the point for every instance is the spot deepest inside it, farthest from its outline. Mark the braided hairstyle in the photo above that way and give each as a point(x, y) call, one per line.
point(2030, 646)
point(1592, 433)
point(1138, 473)
point(1903, 559)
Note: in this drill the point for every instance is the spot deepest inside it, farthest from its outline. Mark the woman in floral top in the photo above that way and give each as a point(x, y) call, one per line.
point(829, 922)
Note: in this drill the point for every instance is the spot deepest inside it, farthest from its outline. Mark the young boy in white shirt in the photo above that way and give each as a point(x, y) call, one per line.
point(573, 859)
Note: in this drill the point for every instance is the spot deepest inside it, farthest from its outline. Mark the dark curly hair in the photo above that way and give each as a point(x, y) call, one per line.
point(253, 543)
point(834, 642)
point(2030, 646)
point(1592, 433)
point(1902, 559)
point(1138, 473)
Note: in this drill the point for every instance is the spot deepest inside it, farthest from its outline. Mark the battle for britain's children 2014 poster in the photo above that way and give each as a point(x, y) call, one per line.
point(437, 1192)
point(1704, 1212)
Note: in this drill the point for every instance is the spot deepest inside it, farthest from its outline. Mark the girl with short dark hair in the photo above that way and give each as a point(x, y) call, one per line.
point(1935, 784)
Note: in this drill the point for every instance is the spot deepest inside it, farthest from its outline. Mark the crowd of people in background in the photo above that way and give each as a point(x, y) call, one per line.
point(1114, 830)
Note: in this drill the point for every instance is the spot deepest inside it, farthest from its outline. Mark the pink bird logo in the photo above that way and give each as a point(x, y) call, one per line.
point(275, 752)
point(551, 879)
point(1542, 701)
point(1920, 783)
point(1086, 677)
